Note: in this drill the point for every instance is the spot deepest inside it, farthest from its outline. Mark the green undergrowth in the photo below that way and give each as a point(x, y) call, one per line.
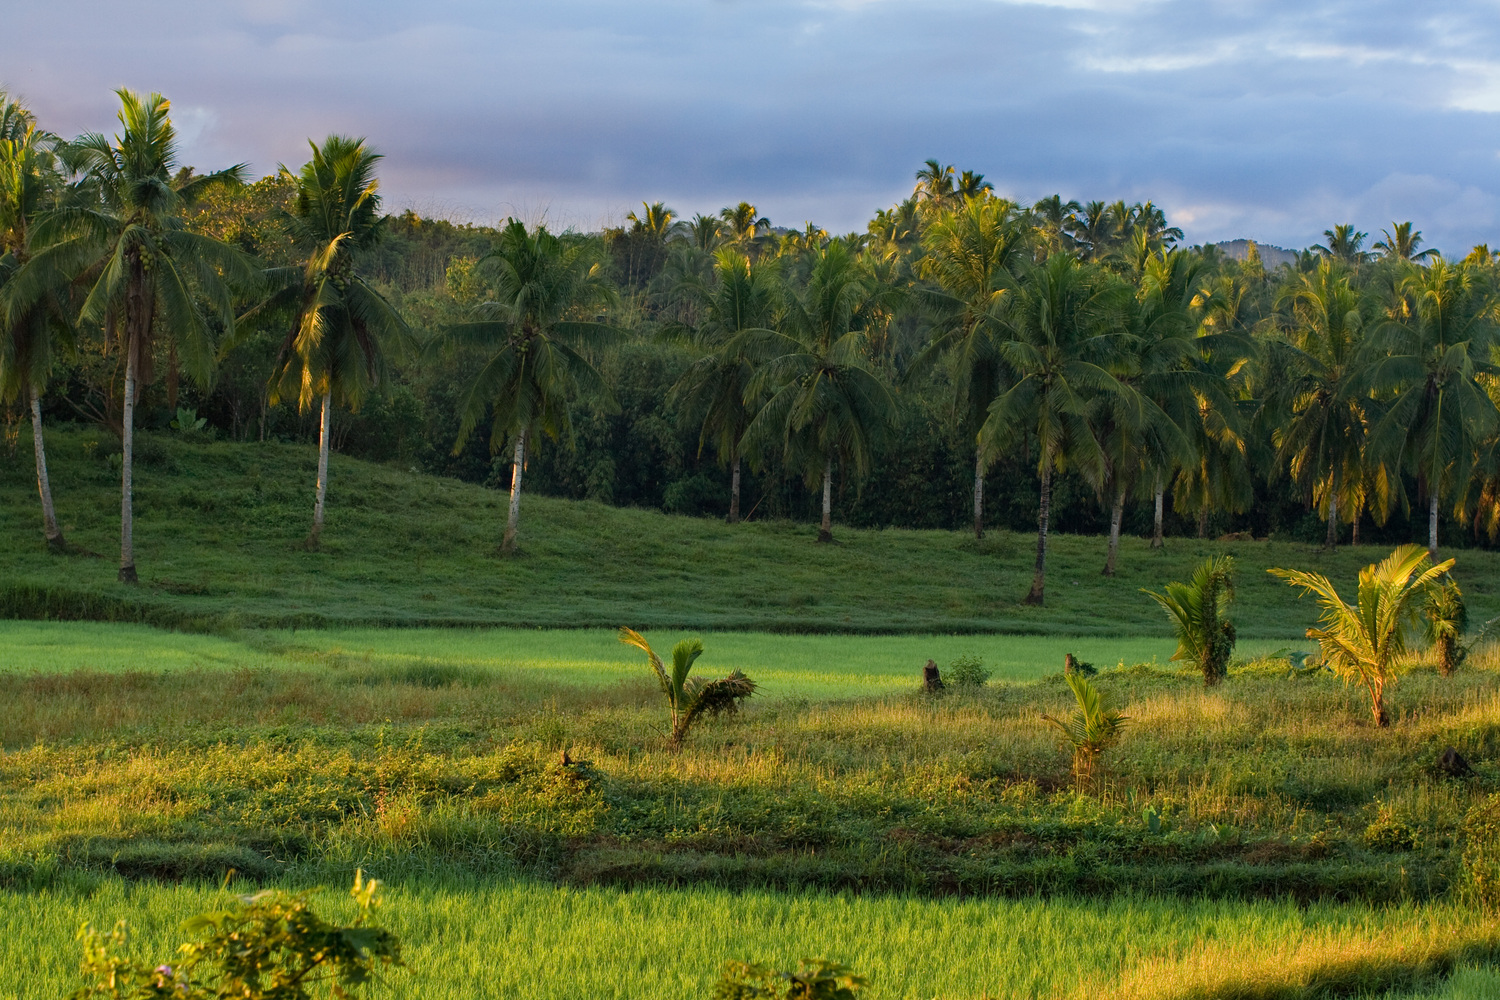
point(219, 529)
point(1271, 785)
point(465, 939)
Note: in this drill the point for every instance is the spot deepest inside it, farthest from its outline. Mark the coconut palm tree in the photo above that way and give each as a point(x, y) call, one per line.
point(147, 275)
point(715, 390)
point(1400, 243)
point(1063, 334)
point(342, 330)
point(1095, 230)
point(823, 403)
point(744, 226)
point(934, 188)
point(1438, 412)
point(29, 185)
point(688, 700)
point(535, 343)
point(970, 256)
point(1361, 641)
point(1317, 414)
point(1053, 221)
point(1090, 730)
point(1199, 611)
point(1345, 245)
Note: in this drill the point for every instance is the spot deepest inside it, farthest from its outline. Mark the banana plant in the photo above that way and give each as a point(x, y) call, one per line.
point(689, 699)
point(1090, 730)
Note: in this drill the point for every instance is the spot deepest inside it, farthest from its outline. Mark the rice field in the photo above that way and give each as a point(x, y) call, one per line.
point(785, 666)
point(525, 941)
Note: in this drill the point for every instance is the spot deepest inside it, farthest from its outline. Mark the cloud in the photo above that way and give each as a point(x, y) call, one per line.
point(1271, 119)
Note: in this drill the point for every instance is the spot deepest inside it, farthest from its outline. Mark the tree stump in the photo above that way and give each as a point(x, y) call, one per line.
point(1453, 764)
point(931, 679)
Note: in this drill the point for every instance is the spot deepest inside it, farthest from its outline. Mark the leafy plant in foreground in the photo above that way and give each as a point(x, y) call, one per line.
point(271, 947)
point(690, 699)
point(814, 979)
point(1199, 612)
point(1090, 730)
point(1361, 641)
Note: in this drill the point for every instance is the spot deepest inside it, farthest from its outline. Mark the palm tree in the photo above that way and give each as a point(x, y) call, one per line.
point(1317, 415)
point(715, 390)
point(1401, 243)
point(1095, 230)
point(1446, 618)
point(1361, 642)
point(533, 338)
point(1053, 221)
point(705, 232)
point(823, 404)
point(934, 185)
point(150, 276)
point(1062, 334)
point(1345, 245)
point(689, 699)
point(970, 254)
point(1199, 611)
point(972, 185)
point(29, 183)
point(342, 329)
point(743, 225)
point(1438, 412)
point(1090, 730)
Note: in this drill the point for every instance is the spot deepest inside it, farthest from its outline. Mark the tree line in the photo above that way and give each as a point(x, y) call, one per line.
point(1073, 359)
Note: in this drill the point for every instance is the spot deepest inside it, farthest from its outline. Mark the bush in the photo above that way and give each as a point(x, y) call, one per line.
point(269, 947)
point(814, 979)
point(968, 671)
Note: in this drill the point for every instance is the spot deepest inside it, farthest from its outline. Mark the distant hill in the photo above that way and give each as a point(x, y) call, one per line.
point(1272, 256)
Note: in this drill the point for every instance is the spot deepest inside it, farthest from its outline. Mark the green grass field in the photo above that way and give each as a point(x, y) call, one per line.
point(526, 941)
point(218, 529)
point(786, 666)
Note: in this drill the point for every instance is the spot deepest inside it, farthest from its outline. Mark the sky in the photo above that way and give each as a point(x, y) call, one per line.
point(1269, 120)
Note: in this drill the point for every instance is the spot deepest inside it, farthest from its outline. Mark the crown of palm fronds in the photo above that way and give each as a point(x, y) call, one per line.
point(688, 699)
point(1091, 729)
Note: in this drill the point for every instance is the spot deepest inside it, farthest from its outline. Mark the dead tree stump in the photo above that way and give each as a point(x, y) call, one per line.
point(931, 679)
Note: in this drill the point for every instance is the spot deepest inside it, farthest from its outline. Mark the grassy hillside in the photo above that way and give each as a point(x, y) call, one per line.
point(219, 528)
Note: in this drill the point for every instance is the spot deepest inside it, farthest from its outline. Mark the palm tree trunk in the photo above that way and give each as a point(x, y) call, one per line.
point(1116, 515)
point(317, 526)
point(1332, 540)
point(1203, 522)
point(978, 495)
point(825, 530)
point(1354, 525)
point(1044, 513)
point(127, 454)
point(734, 488)
point(1377, 704)
point(53, 533)
point(1156, 534)
point(513, 519)
point(1432, 521)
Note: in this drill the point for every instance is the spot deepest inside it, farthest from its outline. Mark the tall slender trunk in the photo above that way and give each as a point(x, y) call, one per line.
point(53, 533)
point(734, 487)
point(1432, 519)
point(317, 527)
point(1203, 522)
point(127, 454)
point(1156, 534)
point(1116, 515)
point(1332, 540)
point(1359, 512)
point(825, 530)
point(513, 519)
point(1044, 513)
point(978, 495)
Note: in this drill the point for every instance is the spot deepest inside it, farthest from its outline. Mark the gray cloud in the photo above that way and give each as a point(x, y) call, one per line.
point(1265, 119)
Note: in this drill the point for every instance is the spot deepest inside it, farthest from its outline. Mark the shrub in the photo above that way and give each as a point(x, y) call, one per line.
point(814, 979)
point(1446, 618)
point(968, 671)
point(271, 946)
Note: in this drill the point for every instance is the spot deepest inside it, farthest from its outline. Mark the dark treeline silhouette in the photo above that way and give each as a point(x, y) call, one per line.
point(967, 361)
